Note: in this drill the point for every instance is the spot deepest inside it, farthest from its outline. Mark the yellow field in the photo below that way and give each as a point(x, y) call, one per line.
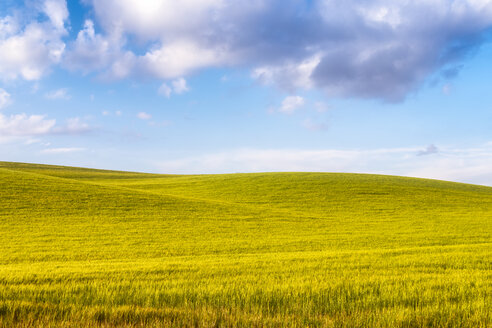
point(92, 248)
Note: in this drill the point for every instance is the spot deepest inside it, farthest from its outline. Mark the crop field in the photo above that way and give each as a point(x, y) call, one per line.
point(95, 248)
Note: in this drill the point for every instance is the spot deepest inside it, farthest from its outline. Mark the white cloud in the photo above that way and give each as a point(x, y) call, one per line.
point(57, 12)
point(123, 66)
point(20, 125)
point(470, 165)
point(24, 127)
point(90, 51)
point(4, 98)
point(291, 104)
point(165, 90)
point(179, 58)
point(144, 116)
point(153, 19)
point(62, 150)
point(172, 28)
point(371, 49)
point(28, 50)
point(289, 76)
point(58, 94)
point(179, 86)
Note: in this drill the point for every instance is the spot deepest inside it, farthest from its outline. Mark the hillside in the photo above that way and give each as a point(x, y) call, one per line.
point(83, 247)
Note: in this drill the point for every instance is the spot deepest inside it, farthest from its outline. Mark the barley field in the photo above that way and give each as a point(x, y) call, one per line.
point(94, 248)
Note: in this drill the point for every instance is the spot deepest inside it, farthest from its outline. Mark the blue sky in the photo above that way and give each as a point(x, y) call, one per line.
point(217, 86)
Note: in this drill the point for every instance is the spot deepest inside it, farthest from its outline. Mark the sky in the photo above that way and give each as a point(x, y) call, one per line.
point(217, 86)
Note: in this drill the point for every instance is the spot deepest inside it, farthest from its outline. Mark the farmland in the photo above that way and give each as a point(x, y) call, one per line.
point(90, 248)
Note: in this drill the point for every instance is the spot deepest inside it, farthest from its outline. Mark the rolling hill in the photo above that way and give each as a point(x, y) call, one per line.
point(87, 248)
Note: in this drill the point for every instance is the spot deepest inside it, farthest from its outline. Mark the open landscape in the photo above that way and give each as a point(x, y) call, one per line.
point(265, 163)
point(95, 248)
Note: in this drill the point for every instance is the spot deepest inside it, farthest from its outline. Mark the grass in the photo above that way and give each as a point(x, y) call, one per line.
point(94, 248)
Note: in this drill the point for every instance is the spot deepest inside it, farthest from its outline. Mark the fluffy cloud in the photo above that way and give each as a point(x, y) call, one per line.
point(291, 104)
point(388, 48)
point(367, 49)
point(153, 19)
point(378, 49)
point(288, 76)
point(24, 127)
point(20, 125)
point(165, 90)
point(179, 86)
point(89, 51)
point(179, 58)
point(28, 50)
point(57, 12)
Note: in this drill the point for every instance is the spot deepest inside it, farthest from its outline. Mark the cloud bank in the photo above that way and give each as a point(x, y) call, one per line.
point(368, 49)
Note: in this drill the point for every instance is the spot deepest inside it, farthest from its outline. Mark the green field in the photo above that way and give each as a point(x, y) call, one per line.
point(90, 248)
